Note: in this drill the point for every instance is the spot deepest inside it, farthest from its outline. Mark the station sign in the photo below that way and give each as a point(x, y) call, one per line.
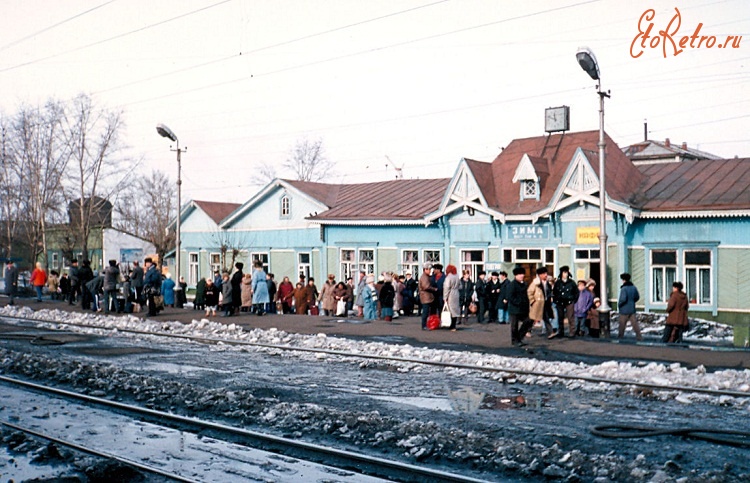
point(528, 232)
point(587, 235)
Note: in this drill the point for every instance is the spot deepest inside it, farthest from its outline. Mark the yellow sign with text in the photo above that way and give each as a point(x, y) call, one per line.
point(587, 236)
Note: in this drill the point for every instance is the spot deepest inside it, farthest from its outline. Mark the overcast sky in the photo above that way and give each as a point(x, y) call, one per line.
point(421, 82)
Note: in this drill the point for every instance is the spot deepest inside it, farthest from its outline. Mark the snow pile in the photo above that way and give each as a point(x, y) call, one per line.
point(701, 330)
point(519, 369)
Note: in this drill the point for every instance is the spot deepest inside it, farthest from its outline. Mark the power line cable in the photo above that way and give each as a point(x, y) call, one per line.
point(98, 42)
point(361, 52)
point(286, 42)
point(47, 29)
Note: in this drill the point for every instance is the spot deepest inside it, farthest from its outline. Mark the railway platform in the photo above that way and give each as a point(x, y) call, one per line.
point(490, 338)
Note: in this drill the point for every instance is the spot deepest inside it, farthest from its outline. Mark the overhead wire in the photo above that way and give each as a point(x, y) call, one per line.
point(114, 37)
point(271, 46)
point(53, 26)
point(360, 52)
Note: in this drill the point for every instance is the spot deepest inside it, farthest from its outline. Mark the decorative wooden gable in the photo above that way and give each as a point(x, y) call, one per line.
point(580, 184)
point(464, 194)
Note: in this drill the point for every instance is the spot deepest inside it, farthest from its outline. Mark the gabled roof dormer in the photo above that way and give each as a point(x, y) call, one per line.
point(529, 176)
point(468, 190)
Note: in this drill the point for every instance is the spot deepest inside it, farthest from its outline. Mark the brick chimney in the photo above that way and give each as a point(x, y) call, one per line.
point(684, 146)
point(667, 143)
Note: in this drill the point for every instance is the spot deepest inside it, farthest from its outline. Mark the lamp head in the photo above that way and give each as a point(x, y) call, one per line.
point(587, 61)
point(165, 132)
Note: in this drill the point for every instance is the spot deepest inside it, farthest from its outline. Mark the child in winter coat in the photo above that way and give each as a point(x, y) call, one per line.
point(593, 318)
point(210, 297)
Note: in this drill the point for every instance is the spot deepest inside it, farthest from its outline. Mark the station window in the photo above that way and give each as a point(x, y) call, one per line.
point(473, 261)
point(698, 276)
point(192, 268)
point(367, 261)
point(303, 264)
point(348, 264)
point(410, 262)
point(663, 274)
point(432, 256)
point(262, 257)
point(587, 255)
point(215, 261)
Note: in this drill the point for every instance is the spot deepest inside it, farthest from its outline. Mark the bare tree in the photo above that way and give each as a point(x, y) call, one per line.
point(95, 172)
point(146, 209)
point(265, 175)
point(38, 155)
point(10, 195)
point(308, 162)
point(230, 243)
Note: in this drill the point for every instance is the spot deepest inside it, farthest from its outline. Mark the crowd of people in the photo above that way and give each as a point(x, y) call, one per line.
point(545, 302)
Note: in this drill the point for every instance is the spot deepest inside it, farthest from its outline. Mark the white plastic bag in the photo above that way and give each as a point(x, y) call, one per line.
point(445, 317)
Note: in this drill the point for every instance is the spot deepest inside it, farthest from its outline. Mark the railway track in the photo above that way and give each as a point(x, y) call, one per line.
point(376, 357)
point(235, 454)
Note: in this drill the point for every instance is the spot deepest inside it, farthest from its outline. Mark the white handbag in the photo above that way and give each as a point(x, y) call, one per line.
point(445, 317)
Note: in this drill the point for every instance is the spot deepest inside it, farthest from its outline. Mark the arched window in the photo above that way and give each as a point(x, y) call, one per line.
point(286, 206)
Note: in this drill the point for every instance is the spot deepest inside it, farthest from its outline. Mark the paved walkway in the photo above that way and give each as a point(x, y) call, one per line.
point(493, 338)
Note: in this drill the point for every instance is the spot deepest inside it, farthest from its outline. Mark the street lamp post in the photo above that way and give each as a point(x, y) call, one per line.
point(165, 132)
point(588, 63)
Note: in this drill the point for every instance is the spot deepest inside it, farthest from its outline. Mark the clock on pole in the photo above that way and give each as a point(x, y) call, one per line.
point(557, 119)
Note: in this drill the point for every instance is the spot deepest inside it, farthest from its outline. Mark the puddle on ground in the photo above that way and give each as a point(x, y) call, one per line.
point(433, 403)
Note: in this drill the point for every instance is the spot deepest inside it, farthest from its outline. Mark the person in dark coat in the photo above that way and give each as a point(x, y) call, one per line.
point(438, 279)
point(481, 289)
point(95, 288)
point(409, 294)
point(271, 305)
point(85, 275)
point(136, 279)
point(237, 286)
point(387, 297)
point(626, 306)
point(11, 281)
point(492, 289)
point(565, 295)
point(210, 296)
point(465, 294)
point(502, 300)
point(677, 320)
point(518, 307)
point(75, 282)
point(199, 303)
point(181, 294)
point(151, 286)
point(64, 286)
point(111, 279)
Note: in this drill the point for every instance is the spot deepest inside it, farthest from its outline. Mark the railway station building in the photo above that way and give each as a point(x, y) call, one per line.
point(669, 218)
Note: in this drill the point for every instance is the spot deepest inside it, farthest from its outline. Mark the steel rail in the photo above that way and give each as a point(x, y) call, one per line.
point(99, 453)
point(451, 365)
point(359, 462)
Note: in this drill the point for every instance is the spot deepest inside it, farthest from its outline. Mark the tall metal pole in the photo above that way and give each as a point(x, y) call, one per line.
point(179, 209)
point(604, 308)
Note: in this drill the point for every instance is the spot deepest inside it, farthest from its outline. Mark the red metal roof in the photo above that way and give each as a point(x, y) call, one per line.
point(217, 211)
point(697, 185)
point(623, 178)
point(401, 199)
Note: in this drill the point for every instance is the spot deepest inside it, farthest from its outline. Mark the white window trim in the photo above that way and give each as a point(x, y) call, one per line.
point(300, 265)
point(285, 199)
point(697, 268)
point(193, 280)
